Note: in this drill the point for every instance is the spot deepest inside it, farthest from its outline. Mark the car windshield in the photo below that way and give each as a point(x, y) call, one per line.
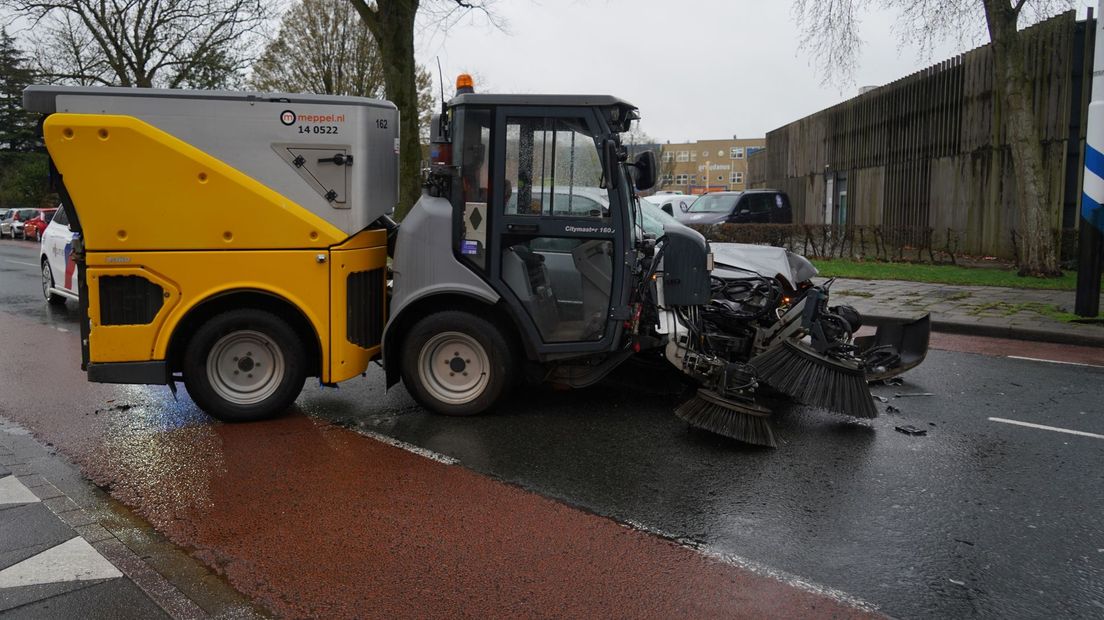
point(655, 218)
point(719, 203)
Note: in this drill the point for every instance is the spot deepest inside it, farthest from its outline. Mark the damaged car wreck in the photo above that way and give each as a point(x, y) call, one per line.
point(767, 327)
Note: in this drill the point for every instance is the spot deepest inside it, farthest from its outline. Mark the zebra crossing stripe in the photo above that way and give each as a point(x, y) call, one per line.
point(12, 491)
point(72, 560)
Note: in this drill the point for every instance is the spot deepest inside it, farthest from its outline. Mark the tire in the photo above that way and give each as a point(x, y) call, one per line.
point(456, 363)
point(237, 343)
point(47, 283)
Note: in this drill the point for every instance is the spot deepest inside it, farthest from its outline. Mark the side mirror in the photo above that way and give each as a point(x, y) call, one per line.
point(644, 171)
point(668, 209)
point(684, 206)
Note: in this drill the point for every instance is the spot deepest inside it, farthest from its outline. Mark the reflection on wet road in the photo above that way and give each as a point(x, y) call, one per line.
point(974, 518)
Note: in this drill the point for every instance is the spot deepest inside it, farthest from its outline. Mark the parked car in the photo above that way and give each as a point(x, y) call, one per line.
point(7, 223)
point(17, 219)
point(670, 202)
point(59, 269)
point(567, 200)
point(754, 206)
point(35, 226)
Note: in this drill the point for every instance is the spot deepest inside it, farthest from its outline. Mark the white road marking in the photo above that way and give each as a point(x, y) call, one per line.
point(402, 445)
point(761, 569)
point(12, 491)
point(1038, 359)
point(1044, 427)
point(73, 560)
point(19, 262)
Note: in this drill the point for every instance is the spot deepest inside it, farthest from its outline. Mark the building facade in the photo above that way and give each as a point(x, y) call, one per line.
point(706, 165)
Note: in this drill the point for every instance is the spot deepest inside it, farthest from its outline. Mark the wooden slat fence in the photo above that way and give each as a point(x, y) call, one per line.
point(929, 150)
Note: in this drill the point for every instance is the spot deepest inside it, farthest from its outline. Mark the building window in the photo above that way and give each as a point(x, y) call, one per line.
point(693, 179)
point(751, 150)
point(693, 156)
point(736, 178)
point(720, 153)
point(683, 156)
point(668, 156)
point(680, 179)
point(736, 152)
point(720, 177)
point(705, 153)
point(667, 179)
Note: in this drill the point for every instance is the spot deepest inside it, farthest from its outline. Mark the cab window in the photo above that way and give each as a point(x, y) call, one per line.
point(60, 217)
point(553, 169)
point(475, 185)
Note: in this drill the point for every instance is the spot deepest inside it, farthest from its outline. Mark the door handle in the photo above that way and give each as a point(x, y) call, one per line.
point(339, 159)
point(523, 228)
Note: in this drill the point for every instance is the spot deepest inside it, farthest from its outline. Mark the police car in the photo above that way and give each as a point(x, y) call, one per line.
point(59, 269)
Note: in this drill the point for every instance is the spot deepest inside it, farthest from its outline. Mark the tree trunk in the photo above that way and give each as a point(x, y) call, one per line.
point(1038, 255)
point(392, 25)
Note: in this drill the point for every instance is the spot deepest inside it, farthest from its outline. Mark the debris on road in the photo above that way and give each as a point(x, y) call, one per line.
point(916, 394)
point(892, 409)
point(911, 430)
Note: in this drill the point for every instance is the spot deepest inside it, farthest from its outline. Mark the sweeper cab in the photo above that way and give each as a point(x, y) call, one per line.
point(241, 242)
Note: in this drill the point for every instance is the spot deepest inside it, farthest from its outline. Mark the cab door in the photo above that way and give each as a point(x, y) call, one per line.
point(558, 229)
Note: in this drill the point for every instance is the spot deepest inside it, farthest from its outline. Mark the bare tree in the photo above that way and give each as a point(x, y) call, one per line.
point(393, 23)
point(145, 43)
point(830, 30)
point(323, 47)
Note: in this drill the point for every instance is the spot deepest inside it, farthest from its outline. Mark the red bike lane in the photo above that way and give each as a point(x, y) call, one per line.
point(313, 520)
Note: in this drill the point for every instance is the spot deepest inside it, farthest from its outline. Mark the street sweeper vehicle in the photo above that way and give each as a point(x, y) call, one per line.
point(240, 242)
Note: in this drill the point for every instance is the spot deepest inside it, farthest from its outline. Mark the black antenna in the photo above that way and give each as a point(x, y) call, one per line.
point(441, 77)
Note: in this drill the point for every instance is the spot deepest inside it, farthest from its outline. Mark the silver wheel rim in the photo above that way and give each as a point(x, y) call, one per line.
point(454, 368)
point(47, 280)
point(245, 367)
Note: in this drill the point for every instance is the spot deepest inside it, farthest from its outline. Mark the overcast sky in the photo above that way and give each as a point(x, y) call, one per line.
point(697, 69)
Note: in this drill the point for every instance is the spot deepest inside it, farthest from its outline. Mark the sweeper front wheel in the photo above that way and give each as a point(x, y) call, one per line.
point(456, 363)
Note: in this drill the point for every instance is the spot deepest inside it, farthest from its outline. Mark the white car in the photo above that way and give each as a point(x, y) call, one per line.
point(672, 204)
point(59, 269)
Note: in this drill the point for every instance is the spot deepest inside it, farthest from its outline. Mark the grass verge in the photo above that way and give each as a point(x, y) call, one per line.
point(1003, 308)
point(941, 274)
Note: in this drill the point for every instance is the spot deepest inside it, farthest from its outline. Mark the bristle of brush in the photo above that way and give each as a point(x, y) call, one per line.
point(814, 380)
point(746, 423)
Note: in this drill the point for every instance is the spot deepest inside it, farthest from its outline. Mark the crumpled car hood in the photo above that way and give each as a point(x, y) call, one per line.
point(762, 259)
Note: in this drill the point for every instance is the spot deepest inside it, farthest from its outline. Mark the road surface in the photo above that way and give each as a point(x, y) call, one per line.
point(600, 501)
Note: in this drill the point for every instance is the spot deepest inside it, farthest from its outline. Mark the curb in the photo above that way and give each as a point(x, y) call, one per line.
point(170, 578)
point(996, 331)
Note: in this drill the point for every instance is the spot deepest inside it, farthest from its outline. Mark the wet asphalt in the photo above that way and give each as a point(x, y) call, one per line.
point(974, 518)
